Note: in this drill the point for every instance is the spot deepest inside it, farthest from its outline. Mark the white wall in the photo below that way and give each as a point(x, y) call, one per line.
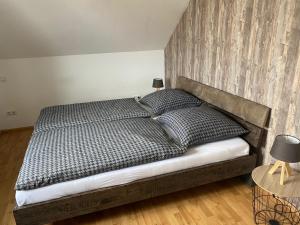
point(35, 28)
point(33, 83)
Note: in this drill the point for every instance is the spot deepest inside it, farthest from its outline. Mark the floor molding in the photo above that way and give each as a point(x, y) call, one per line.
point(15, 129)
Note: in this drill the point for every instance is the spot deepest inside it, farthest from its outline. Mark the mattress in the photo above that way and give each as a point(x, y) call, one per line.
point(80, 113)
point(194, 157)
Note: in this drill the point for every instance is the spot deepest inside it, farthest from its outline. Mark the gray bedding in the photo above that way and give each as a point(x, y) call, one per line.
point(73, 152)
point(81, 113)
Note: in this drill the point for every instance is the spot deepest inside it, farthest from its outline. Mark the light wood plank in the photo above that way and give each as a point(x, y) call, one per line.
point(250, 48)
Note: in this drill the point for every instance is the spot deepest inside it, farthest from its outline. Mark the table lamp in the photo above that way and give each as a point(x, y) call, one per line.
point(286, 149)
point(157, 83)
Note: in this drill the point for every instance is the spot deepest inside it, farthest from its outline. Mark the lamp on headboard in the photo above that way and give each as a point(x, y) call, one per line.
point(158, 83)
point(286, 149)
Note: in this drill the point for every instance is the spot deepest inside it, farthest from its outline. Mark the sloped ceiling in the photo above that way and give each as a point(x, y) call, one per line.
point(35, 28)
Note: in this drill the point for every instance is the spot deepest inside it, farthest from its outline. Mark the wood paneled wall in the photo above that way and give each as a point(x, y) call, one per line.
point(250, 48)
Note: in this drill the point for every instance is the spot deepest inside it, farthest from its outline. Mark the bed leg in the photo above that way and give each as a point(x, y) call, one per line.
point(247, 179)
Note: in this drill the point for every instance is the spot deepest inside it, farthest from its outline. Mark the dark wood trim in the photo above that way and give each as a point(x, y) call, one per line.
point(106, 198)
point(15, 129)
point(252, 112)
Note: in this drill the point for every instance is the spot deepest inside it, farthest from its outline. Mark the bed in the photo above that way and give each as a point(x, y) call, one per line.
point(194, 157)
point(165, 176)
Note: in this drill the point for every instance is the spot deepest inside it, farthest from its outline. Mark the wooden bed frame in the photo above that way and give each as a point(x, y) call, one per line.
point(250, 114)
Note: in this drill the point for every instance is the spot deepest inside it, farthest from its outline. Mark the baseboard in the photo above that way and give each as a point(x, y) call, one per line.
point(15, 129)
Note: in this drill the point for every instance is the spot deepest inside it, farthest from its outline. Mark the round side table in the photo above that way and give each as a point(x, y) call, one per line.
point(275, 204)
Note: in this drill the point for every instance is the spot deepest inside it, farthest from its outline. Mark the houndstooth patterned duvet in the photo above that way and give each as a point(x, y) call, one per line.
point(74, 152)
point(68, 115)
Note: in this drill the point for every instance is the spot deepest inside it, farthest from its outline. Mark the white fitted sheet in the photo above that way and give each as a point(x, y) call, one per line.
point(196, 156)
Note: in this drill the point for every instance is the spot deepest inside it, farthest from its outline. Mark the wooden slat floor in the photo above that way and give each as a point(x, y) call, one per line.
point(223, 203)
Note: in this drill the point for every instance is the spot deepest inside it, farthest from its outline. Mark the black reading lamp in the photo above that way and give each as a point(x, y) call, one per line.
point(158, 83)
point(286, 149)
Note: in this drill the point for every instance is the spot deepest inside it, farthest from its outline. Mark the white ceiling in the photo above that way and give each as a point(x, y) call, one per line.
point(35, 28)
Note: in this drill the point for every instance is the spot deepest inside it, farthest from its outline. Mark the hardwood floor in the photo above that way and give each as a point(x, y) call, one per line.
point(223, 203)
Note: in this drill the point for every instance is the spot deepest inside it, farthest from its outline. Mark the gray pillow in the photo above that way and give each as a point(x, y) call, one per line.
point(169, 99)
point(199, 125)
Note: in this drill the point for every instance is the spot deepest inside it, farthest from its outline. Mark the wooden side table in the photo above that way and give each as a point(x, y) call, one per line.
point(275, 204)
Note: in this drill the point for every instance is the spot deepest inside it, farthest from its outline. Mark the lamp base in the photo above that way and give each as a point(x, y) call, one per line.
point(285, 170)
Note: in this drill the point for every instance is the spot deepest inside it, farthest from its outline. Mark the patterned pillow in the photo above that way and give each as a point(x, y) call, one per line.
point(169, 99)
point(199, 125)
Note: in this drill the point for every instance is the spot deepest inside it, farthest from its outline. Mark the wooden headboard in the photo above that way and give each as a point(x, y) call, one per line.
point(251, 115)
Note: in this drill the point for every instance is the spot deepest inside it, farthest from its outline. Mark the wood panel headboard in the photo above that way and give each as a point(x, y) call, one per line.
point(251, 115)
